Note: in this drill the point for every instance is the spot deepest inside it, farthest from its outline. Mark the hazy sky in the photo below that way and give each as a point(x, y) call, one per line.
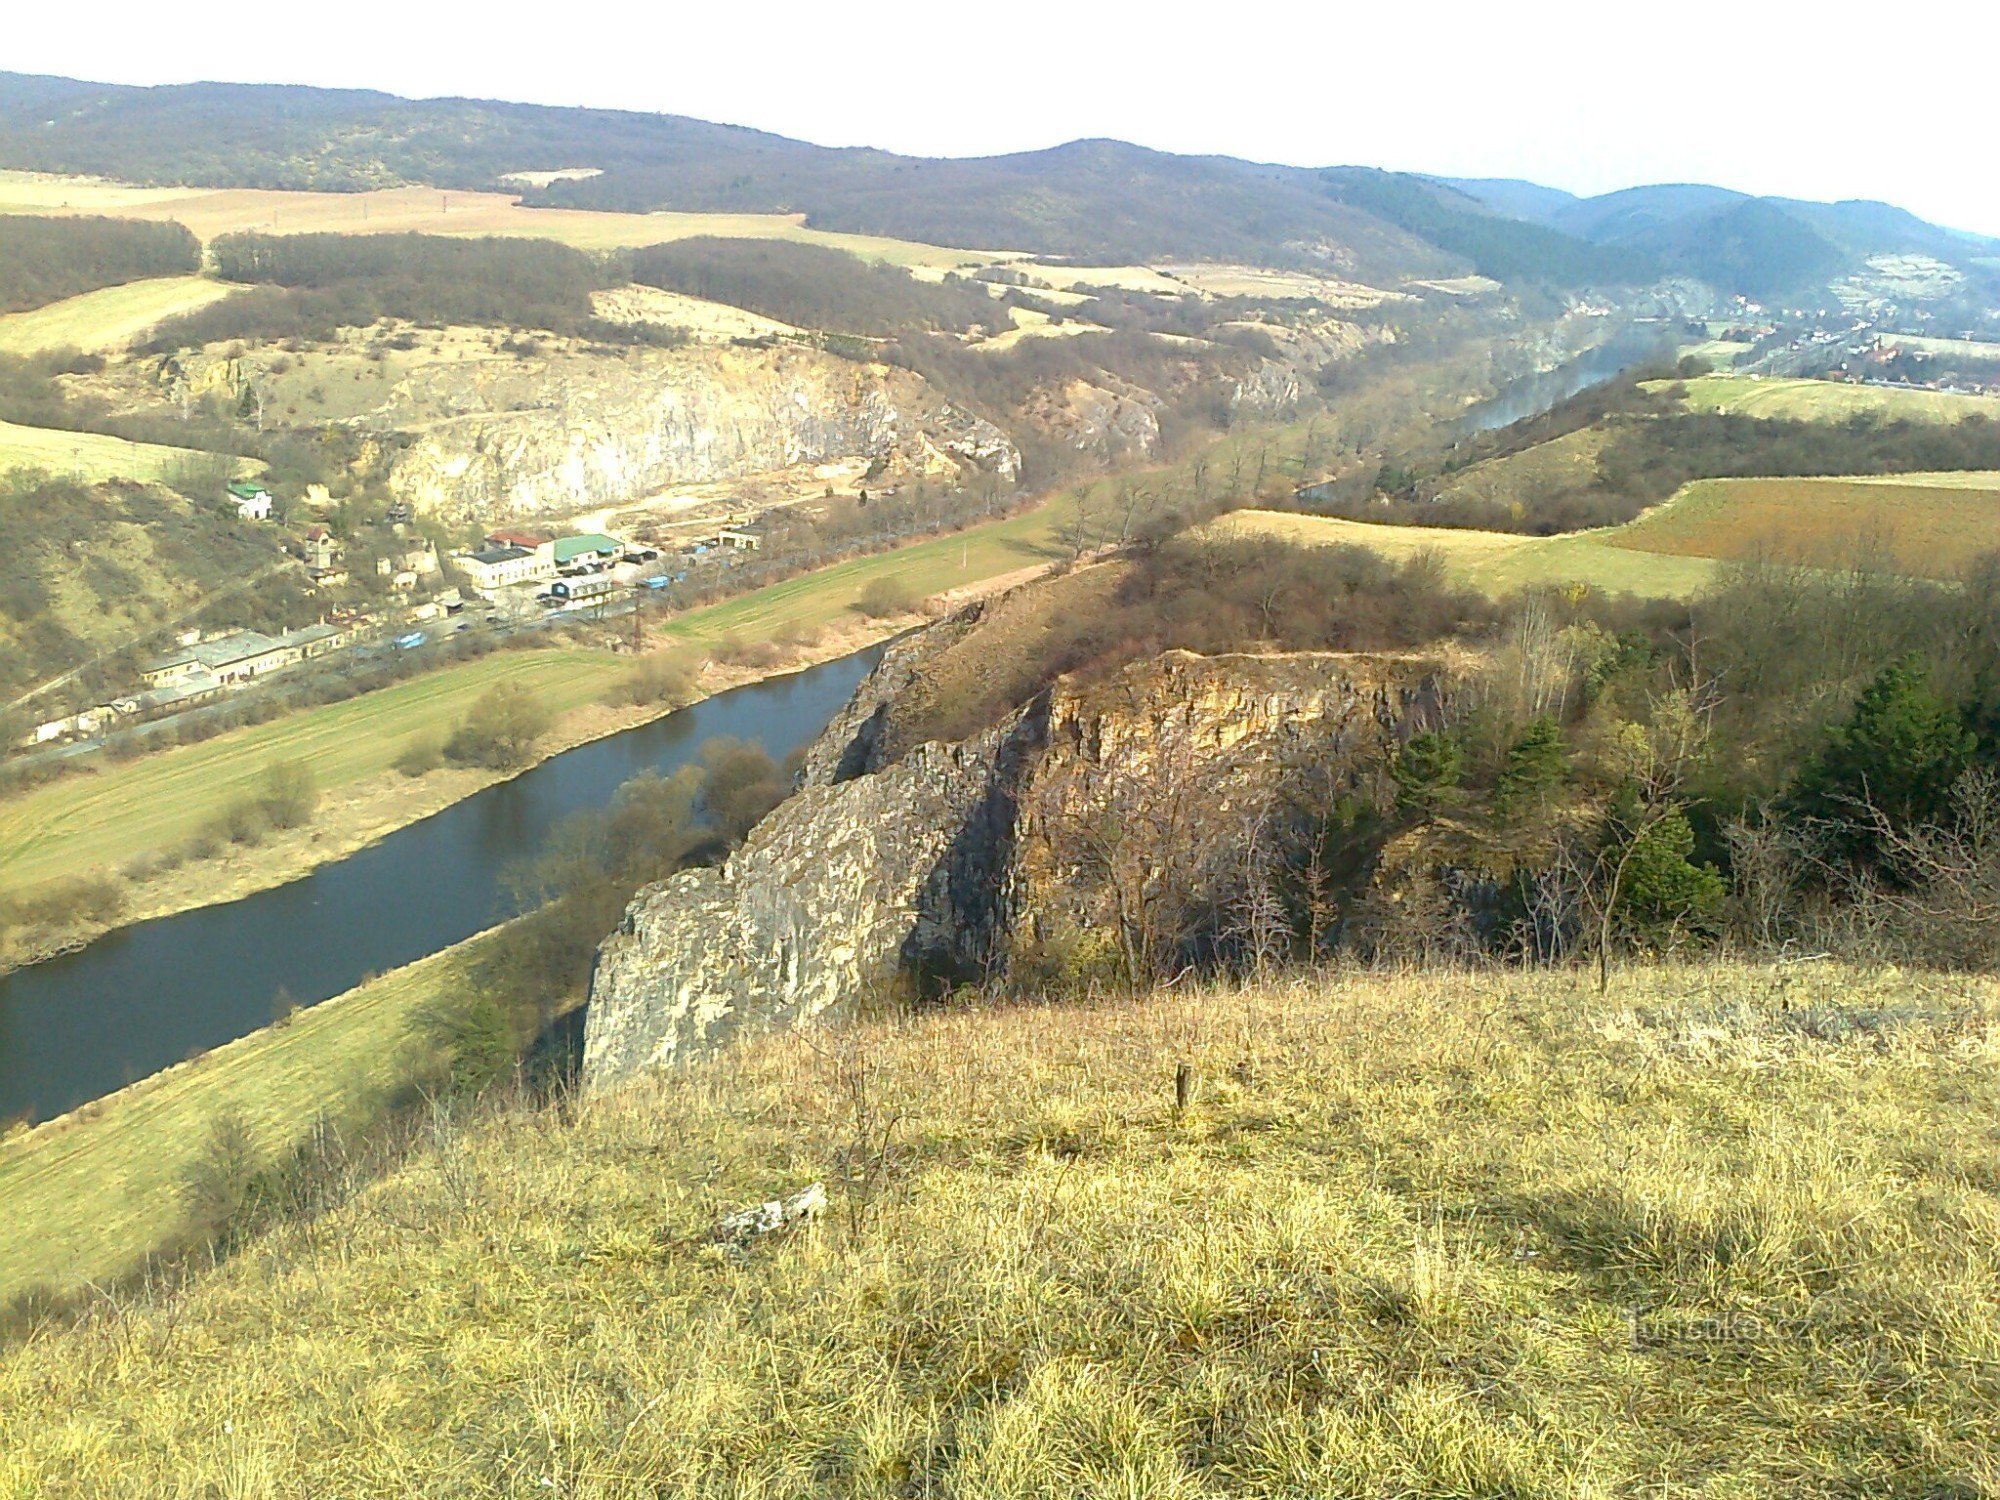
point(1771, 96)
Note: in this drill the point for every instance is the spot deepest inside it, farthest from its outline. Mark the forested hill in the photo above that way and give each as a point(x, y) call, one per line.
point(1763, 247)
point(1096, 200)
point(1093, 200)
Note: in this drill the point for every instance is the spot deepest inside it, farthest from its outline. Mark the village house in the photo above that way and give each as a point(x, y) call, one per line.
point(252, 501)
point(503, 567)
point(240, 656)
point(321, 554)
point(592, 550)
point(740, 538)
point(527, 541)
point(405, 566)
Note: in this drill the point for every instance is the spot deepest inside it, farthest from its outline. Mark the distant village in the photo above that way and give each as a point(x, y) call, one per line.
point(1854, 347)
point(519, 577)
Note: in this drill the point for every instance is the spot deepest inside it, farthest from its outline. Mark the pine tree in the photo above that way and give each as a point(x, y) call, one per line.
point(1893, 763)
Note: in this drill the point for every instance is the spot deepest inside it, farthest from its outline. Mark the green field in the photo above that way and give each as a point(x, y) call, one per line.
point(88, 1196)
point(1496, 562)
point(820, 598)
point(99, 821)
point(1830, 401)
point(1924, 529)
point(110, 318)
point(87, 456)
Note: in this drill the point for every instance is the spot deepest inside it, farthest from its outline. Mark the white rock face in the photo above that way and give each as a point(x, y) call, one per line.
point(821, 903)
point(570, 433)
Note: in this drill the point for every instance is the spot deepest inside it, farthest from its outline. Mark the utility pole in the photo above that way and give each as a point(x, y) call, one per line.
point(638, 616)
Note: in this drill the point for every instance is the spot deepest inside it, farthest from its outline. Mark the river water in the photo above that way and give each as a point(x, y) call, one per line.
point(1535, 394)
point(136, 1000)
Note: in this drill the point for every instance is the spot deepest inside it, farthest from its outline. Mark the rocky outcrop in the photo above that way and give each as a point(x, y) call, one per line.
point(1110, 423)
point(840, 891)
point(952, 862)
point(567, 433)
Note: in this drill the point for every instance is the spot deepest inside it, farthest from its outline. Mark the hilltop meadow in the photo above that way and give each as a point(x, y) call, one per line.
point(1724, 1231)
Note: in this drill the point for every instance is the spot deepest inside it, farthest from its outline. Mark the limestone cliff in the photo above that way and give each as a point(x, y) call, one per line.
point(563, 434)
point(950, 862)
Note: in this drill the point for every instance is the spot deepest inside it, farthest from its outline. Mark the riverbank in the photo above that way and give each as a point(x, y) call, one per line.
point(113, 823)
point(358, 809)
point(93, 1193)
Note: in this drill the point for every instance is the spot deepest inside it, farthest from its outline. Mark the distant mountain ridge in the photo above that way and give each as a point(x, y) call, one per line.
point(1737, 242)
point(1088, 200)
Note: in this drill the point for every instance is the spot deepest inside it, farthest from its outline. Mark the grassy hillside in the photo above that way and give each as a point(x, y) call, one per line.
point(109, 319)
point(90, 1195)
point(89, 570)
point(1831, 401)
point(1924, 530)
point(1925, 526)
point(1498, 562)
point(1727, 1232)
point(87, 456)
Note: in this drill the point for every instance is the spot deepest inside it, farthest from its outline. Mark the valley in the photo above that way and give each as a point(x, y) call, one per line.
point(688, 813)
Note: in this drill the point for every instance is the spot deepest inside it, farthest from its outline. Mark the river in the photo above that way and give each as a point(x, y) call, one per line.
point(1534, 394)
point(138, 999)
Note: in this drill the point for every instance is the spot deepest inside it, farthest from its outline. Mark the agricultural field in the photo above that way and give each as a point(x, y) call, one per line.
point(1957, 348)
point(1115, 278)
point(89, 457)
point(1830, 400)
point(1497, 562)
point(108, 319)
point(1032, 324)
point(89, 1195)
point(1255, 281)
point(1922, 529)
point(431, 211)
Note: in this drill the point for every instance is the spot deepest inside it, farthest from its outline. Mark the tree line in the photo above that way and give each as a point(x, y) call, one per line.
point(44, 260)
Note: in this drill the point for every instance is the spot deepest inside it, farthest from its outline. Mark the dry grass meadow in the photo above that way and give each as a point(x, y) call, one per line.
point(1497, 562)
point(109, 318)
point(88, 457)
point(1729, 1231)
point(210, 213)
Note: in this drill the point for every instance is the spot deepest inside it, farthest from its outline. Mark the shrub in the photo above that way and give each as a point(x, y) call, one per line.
point(420, 757)
point(1428, 772)
point(1663, 888)
point(501, 731)
point(657, 679)
point(1537, 763)
point(1889, 768)
point(890, 594)
point(741, 783)
point(219, 1179)
point(289, 794)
